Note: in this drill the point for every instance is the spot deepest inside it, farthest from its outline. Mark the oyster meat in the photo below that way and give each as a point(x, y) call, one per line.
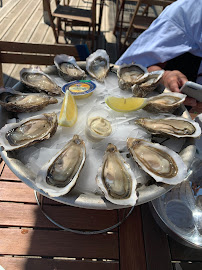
point(16, 101)
point(128, 75)
point(58, 176)
point(171, 126)
point(68, 68)
point(146, 84)
point(97, 65)
point(166, 102)
point(116, 179)
point(162, 163)
point(28, 131)
point(37, 81)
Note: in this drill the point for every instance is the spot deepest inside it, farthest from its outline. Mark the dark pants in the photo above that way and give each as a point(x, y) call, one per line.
point(187, 63)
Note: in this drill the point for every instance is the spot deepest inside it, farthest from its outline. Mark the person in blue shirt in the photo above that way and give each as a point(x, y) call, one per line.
point(173, 42)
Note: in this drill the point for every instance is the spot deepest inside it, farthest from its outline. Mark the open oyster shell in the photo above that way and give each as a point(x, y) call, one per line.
point(16, 101)
point(166, 102)
point(97, 65)
point(116, 179)
point(162, 163)
point(28, 131)
point(171, 126)
point(38, 81)
point(58, 176)
point(68, 68)
point(128, 75)
point(147, 83)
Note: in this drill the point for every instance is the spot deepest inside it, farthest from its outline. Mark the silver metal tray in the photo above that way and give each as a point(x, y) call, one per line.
point(91, 200)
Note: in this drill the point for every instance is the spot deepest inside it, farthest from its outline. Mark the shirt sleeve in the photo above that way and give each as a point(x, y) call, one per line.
point(162, 41)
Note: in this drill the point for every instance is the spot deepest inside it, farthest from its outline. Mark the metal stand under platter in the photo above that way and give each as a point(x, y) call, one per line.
point(40, 198)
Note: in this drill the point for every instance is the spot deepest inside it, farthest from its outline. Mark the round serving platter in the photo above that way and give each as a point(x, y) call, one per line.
point(77, 197)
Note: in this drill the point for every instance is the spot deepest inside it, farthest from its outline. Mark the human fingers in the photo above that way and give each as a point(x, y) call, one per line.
point(182, 80)
point(174, 80)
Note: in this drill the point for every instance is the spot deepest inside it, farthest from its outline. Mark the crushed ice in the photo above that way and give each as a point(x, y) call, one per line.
point(34, 157)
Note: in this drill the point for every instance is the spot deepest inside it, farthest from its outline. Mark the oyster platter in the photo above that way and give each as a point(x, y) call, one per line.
point(107, 158)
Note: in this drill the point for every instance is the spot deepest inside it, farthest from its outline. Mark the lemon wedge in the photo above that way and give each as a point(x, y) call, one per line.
point(69, 112)
point(125, 104)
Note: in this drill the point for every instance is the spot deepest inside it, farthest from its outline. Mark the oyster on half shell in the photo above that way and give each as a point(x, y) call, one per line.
point(128, 75)
point(171, 126)
point(38, 81)
point(116, 179)
point(28, 131)
point(162, 163)
point(147, 83)
point(58, 176)
point(68, 68)
point(166, 102)
point(16, 101)
point(97, 65)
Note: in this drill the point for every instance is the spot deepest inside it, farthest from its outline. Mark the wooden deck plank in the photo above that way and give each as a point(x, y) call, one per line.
point(7, 9)
point(181, 252)
point(16, 192)
point(21, 21)
point(131, 242)
point(12, 191)
point(26, 215)
point(57, 244)
point(156, 243)
point(7, 174)
point(31, 25)
point(40, 32)
point(53, 264)
point(9, 22)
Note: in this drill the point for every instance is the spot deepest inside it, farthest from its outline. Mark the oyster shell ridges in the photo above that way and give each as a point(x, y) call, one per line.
point(116, 179)
point(128, 74)
point(162, 163)
point(68, 68)
point(171, 126)
point(166, 102)
point(16, 101)
point(98, 64)
point(146, 84)
point(28, 131)
point(58, 176)
point(38, 81)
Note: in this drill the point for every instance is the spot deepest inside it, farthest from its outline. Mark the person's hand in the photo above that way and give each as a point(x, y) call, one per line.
point(173, 80)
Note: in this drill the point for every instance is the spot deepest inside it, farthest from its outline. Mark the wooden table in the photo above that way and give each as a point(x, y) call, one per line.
point(29, 241)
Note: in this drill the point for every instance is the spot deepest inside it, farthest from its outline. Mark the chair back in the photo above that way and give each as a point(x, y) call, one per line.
point(139, 23)
point(74, 16)
point(36, 54)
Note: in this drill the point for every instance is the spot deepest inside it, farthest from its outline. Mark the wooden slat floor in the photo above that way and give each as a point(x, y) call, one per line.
point(29, 241)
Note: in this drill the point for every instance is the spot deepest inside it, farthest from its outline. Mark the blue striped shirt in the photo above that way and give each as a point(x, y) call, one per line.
point(178, 29)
